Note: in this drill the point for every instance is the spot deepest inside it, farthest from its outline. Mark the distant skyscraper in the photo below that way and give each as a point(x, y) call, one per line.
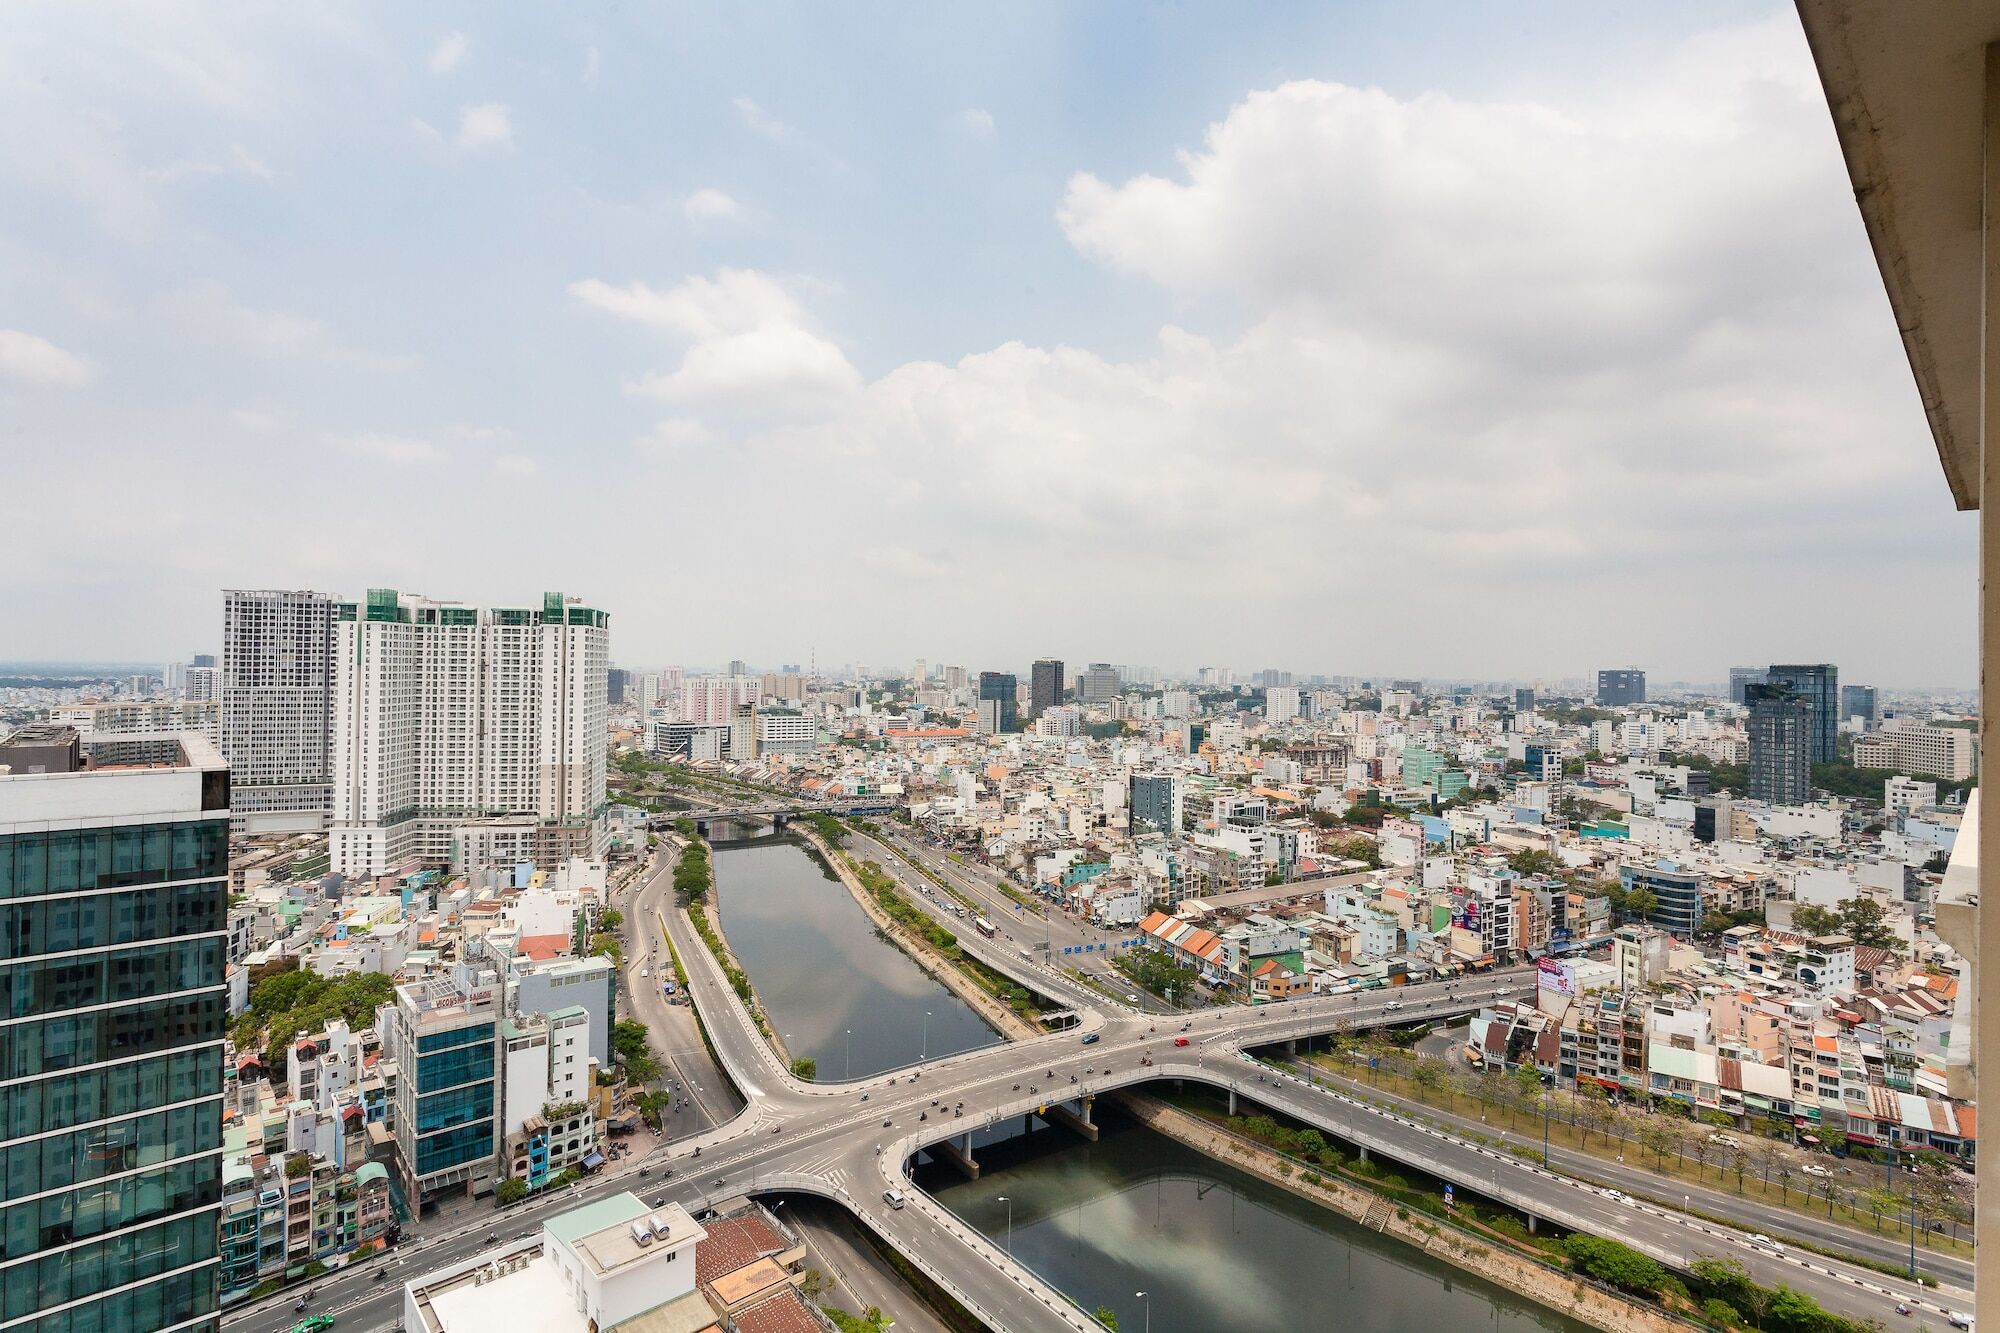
point(1618, 688)
point(921, 672)
point(1739, 677)
point(203, 660)
point(616, 682)
point(277, 718)
point(1045, 688)
point(1524, 701)
point(1281, 704)
point(114, 868)
point(1859, 701)
point(998, 693)
point(1098, 685)
point(1781, 735)
point(1819, 685)
point(736, 667)
point(460, 727)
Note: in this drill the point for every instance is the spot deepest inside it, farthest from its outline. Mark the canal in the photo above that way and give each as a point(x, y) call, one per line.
point(834, 986)
point(1213, 1248)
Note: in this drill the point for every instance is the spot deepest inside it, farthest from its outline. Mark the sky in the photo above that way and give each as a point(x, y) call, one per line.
point(1435, 339)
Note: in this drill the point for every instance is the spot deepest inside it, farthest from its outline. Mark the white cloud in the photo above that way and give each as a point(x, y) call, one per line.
point(238, 161)
point(255, 420)
point(753, 350)
point(516, 465)
point(763, 122)
point(1542, 344)
point(207, 311)
point(591, 64)
point(394, 450)
point(673, 435)
point(706, 205)
point(976, 122)
point(35, 360)
point(903, 563)
point(485, 126)
point(482, 434)
point(768, 126)
point(447, 53)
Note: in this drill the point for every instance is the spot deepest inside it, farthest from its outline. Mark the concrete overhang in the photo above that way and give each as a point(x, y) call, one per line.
point(1906, 82)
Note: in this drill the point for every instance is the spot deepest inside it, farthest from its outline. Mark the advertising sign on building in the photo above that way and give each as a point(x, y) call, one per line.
point(1556, 976)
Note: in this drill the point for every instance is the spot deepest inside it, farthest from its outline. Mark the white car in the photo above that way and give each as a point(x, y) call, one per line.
point(1812, 1170)
point(1958, 1318)
point(1764, 1242)
point(1618, 1196)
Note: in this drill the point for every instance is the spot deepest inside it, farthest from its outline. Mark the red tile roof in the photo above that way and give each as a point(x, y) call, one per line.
point(784, 1313)
point(733, 1243)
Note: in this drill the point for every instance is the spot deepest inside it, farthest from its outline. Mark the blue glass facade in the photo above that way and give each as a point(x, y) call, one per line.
point(112, 1007)
point(455, 1097)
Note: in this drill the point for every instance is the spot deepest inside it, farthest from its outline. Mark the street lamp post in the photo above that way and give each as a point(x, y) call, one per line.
point(1010, 1223)
point(849, 1073)
point(1149, 1309)
point(925, 1052)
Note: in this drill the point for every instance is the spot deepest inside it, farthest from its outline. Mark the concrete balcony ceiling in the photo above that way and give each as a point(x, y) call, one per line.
point(1906, 82)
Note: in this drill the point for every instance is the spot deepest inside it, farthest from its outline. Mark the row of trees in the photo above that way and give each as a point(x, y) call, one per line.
point(1155, 970)
point(632, 1046)
point(693, 875)
point(1671, 1128)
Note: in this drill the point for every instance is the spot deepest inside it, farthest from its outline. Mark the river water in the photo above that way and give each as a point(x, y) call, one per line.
point(1213, 1248)
point(834, 987)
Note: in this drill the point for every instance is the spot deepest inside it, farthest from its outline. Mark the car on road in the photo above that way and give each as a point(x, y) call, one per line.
point(1764, 1242)
point(313, 1323)
point(1090, 1039)
point(1180, 1041)
point(1958, 1318)
point(1618, 1196)
point(892, 1197)
point(1812, 1170)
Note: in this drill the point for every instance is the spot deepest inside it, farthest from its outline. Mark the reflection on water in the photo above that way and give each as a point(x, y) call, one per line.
point(1213, 1247)
point(835, 988)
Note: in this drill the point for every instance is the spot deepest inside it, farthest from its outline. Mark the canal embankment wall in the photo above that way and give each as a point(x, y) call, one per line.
point(1495, 1261)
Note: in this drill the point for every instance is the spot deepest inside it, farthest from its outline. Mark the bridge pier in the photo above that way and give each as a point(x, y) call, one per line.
point(959, 1153)
point(1531, 1224)
point(1058, 1114)
point(1291, 1046)
point(1232, 1101)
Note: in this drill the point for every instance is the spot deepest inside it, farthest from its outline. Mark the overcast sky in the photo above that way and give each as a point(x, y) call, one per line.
point(1446, 339)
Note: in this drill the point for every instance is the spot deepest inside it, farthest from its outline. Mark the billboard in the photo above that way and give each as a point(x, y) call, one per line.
point(1555, 976)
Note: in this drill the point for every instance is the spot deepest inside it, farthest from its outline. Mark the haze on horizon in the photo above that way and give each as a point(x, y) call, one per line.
point(1428, 338)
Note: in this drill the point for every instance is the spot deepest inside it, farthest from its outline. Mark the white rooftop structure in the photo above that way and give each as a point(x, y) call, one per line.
point(588, 1271)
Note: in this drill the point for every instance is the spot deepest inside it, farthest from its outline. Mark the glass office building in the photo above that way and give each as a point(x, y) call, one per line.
point(443, 1034)
point(1781, 745)
point(1818, 683)
point(114, 856)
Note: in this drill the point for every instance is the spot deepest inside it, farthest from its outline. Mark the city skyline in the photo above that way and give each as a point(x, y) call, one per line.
point(973, 334)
